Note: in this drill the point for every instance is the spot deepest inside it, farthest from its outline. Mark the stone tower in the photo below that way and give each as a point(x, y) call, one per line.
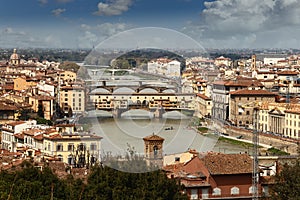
point(253, 66)
point(153, 149)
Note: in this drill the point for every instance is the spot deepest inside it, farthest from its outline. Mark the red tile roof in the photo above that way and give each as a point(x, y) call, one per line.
point(153, 138)
point(239, 82)
point(287, 73)
point(219, 164)
point(252, 92)
point(202, 96)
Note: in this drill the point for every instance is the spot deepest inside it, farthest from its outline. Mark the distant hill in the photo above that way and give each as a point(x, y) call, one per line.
point(139, 58)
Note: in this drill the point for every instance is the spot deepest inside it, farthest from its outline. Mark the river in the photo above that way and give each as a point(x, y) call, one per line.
point(120, 134)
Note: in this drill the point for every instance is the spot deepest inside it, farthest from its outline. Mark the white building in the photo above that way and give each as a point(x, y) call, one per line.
point(164, 66)
point(9, 129)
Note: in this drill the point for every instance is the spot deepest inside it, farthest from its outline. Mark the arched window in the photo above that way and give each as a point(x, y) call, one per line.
point(216, 192)
point(234, 190)
point(155, 150)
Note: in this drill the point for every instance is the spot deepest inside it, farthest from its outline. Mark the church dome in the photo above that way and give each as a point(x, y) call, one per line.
point(14, 56)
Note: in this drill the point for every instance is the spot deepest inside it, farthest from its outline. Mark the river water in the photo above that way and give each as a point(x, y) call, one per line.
point(120, 134)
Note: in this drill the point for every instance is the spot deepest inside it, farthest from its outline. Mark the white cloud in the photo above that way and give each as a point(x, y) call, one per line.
point(244, 23)
point(113, 7)
point(58, 12)
point(11, 38)
point(87, 40)
point(93, 35)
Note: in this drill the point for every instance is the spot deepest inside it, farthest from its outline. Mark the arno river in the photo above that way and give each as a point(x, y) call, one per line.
point(119, 134)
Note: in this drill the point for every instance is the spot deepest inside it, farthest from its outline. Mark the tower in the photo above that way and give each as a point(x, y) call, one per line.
point(253, 66)
point(253, 62)
point(14, 58)
point(153, 149)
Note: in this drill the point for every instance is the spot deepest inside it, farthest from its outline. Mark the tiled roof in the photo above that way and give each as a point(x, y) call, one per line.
point(287, 73)
point(219, 164)
point(65, 125)
point(239, 82)
point(252, 92)
point(43, 97)
point(153, 138)
point(38, 137)
point(19, 136)
point(202, 96)
point(5, 106)
point(15, 123)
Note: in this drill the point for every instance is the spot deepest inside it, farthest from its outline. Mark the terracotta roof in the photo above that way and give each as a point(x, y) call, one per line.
point(287, 73)
point(239, 82)
point(202, 96)
point(43, 97)
point(32, 132)
point(153, 138)
point(15, 123)
point(5, 106)
point(293, 111)
point(252, 92)
point(219, 164)
point(19, 136)
point(38, 137)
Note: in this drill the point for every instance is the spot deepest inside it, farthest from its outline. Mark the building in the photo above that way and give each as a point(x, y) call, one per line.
point(215, 176)
point(153, 150)
point(221, 94)
point(24, 83)
point(43, 104)
point(241, 105)
point(77, 149)
point(203, 106)
point(14, 58)
point(72, 99)
point(8, 111)
point(165, 67)
point(9, 129)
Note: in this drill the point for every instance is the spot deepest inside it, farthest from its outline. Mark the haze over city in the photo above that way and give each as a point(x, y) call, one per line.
point(214, 24)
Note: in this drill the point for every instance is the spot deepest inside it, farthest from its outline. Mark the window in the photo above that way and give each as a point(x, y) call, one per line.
point(70, 147)
point(81, 147)
point(59, 147)
point(93, 147)
point(247, 112)
point(194, 194)
point(216, 191)
point(234, 190)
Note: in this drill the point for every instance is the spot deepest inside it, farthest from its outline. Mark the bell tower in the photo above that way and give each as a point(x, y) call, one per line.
point(153, 149)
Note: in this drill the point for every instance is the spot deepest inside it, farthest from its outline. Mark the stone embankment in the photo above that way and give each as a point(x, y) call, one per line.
point(285, 144)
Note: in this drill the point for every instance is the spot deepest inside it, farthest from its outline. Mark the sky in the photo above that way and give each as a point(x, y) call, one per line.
point(213, 23)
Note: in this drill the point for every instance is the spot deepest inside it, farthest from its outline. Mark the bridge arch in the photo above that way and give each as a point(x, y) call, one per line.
point(148, 90)
point(100, 91)
point(122, 90)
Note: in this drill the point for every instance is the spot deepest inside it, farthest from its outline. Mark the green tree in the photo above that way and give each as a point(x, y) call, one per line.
point(287, 183)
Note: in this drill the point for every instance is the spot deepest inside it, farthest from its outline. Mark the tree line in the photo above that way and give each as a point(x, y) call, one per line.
point(103, 182)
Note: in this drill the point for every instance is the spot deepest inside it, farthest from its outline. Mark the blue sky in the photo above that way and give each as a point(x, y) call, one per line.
point(214, 23)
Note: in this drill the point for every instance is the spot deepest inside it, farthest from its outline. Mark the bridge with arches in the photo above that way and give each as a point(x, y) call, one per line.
point(157, 99)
